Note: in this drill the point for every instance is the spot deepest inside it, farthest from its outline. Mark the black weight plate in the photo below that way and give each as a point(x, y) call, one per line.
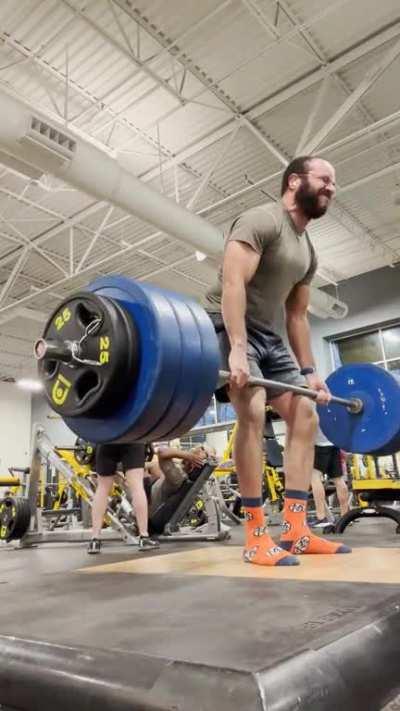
point(84, 452)
point(15, 518)
point(79, 389)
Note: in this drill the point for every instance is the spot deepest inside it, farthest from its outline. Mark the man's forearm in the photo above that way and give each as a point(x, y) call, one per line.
point(169, 453)
point(233, 312)
point(299, 335)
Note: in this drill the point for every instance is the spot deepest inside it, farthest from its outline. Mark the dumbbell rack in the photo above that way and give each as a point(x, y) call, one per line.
point(42, 448)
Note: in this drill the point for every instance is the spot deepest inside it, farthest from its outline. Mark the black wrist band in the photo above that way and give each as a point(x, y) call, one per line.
point(307, 371)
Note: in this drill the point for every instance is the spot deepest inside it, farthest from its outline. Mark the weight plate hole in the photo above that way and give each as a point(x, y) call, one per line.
point(50, 368)
point(88, 382)
point(85, 315)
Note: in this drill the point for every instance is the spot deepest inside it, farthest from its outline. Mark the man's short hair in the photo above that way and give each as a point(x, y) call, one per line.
point(298, 165)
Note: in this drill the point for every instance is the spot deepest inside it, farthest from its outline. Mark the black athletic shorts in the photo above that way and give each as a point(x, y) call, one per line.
point(108, 456)
point(267, 355)
point(327, 460)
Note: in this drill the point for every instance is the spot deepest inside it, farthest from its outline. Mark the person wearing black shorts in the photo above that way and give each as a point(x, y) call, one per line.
point(131, 457)
point(327, 460)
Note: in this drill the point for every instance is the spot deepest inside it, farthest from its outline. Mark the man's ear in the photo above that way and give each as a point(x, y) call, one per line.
point(293, 181)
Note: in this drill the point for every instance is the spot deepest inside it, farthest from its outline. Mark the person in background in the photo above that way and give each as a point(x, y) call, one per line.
point(327, 460)
point(172, 468)
point(131, 457)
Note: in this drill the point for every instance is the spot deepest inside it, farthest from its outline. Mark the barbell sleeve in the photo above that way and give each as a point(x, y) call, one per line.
point(53, 350)
point(355, 405)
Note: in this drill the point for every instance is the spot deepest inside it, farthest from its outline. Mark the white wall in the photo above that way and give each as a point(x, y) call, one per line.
point(55, 428)
point(219, 440)
point(15, 427)
point(373, 300)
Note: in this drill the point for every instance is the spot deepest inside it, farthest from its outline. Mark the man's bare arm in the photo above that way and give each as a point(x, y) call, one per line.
point(171, 453)
point(297, 324)
point(299, 334)
point(240, 264)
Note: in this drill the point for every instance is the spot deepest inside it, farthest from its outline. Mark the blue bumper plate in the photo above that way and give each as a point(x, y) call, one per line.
point(377, 427)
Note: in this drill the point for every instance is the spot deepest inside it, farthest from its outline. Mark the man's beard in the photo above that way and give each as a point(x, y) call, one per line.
point(308, 201)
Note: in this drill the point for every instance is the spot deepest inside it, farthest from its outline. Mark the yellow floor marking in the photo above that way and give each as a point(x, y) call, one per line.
point(367, 565)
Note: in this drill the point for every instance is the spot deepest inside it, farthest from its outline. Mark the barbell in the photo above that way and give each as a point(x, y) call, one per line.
point(126, 361)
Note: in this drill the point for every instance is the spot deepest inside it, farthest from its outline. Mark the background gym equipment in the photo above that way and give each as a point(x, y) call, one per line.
point(227, 486)
point(9, 481)
point(174, 371)
point(84, 452)
point(376, 492)
point(15, 516)
point(21, 519)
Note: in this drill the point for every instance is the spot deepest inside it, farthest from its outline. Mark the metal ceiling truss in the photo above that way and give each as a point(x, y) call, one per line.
point(80, 91)
point(371, 77)
point(229, 128)
point(125, 49)
point(285, 94)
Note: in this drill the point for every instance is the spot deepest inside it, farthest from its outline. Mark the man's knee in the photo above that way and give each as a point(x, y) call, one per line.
point(303, 413)
point(249, 405)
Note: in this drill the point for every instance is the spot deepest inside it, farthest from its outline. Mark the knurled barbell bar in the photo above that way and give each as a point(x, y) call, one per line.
point(126, 361)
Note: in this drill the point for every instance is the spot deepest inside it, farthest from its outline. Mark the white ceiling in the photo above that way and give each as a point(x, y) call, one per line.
point(218, 94)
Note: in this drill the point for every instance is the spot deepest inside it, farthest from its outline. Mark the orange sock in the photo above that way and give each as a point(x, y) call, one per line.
point(296, 536)
point(260, 548)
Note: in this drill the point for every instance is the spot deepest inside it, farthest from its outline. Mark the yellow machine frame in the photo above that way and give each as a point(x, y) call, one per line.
point(271, 476)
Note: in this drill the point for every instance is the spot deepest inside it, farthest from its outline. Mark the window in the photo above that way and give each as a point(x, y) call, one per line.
point(217, 412)
point(391, 342)
point(361, 349)
point(381, 347)
point(394, 366)
point(225, 412)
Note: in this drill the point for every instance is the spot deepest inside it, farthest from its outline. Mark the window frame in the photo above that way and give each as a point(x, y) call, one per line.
point(334, 340)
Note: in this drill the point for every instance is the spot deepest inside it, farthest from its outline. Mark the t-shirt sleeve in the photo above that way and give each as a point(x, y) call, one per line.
point(256, 227)
point(309, 275)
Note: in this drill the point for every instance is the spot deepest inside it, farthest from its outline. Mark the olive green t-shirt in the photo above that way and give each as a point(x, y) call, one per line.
point(286, 260)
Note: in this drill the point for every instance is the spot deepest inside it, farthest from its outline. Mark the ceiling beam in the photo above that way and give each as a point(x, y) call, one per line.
point(370, 78)
point(18, 266)
point(284, 94)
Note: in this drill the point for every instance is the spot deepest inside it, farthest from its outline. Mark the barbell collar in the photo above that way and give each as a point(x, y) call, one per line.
point(355, 405)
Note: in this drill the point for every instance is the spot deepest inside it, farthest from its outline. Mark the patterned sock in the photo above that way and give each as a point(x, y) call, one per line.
point(260, 548)
point(296, 536)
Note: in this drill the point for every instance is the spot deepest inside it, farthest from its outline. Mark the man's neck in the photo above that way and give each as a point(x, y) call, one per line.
point(298, 217)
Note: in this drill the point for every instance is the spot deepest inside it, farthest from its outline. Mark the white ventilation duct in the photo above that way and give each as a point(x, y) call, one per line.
point(325, 306)
point(39, 145)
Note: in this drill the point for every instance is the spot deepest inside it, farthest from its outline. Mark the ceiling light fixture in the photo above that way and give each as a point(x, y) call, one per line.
point(30, 384)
